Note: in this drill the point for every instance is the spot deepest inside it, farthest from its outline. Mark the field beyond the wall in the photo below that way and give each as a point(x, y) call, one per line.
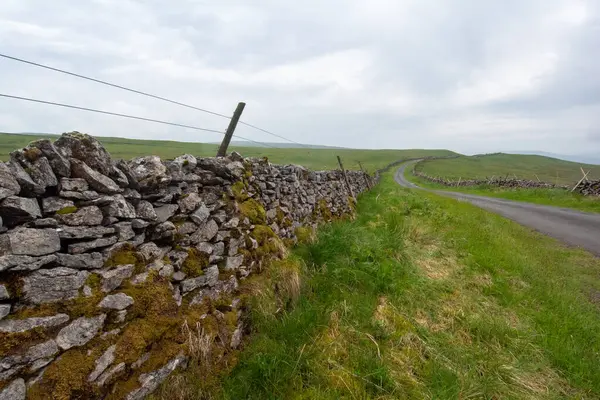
point(315, 159)
point(530, 167)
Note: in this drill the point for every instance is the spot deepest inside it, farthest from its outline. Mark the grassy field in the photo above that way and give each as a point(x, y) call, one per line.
point(523, 166)
point(317, 159)
point(421, 297)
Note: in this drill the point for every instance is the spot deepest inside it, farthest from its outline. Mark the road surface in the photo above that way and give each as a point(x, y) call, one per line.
point(577, 228)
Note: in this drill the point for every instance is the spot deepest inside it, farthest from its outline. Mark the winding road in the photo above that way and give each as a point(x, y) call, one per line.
point(576, 228)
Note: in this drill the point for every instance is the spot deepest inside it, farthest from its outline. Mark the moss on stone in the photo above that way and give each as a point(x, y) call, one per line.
point(262, 234)
point(195, 263)
point(239, 191)
point(124, 256)
point(67, 210)
point(32, 154)
point(323, 210)
point(66, 378)
point(11, 343)
point(254, 211)
point(304, 234)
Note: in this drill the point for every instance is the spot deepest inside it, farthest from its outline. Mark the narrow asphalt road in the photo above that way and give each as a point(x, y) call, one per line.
point(576, 228)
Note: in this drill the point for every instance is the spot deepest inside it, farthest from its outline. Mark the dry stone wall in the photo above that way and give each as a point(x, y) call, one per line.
point(104, 262)
point(589, 188)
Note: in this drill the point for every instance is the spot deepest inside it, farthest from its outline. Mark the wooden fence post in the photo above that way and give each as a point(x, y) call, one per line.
point(367, 180)
point(346, 178)
point(230, 129)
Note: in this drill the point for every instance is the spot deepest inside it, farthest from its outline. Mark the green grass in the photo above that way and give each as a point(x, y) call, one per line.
point(424, 297)
point(316, 159)
point(523, 166)
point(550, 197)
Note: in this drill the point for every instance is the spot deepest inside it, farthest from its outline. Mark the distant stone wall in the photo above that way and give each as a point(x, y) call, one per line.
point(493, 181)
point(107, 266)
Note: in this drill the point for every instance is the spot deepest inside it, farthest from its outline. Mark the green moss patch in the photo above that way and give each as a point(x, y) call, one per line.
point(195, 263)
point(67, 210)
point(124, 256)
point(305, 234)
point(239, 191)
point(254, 211)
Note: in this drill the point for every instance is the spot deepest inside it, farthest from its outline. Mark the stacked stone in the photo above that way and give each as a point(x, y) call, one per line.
point(78, 227)
point(589, 188)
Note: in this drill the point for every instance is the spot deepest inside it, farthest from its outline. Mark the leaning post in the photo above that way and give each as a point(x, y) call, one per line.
point(231, 129)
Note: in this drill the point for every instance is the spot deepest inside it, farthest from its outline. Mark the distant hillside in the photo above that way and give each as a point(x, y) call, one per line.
point(243, 143)
point(580, 158)
point(532, 167)
point(314, 158)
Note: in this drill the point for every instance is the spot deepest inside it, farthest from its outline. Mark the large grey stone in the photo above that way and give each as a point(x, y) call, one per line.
point(16, 390)
point(4, 310)
point(86, 148)
point(18, 210)
point(37, 166)
point(233, 263)
point(45, 223)
point(82, 247)
point(25, 263)
point(84, 216)
point(84, 232)
point(149, 171)
point(80, 261)
point(122, 165)
point(165, 212)
point(59, 163)
point(139, 223)
point(79, 332)
point(110, 374)
point(29, 242)
point(23, 325)
point(201, 215)
point(4, 295)
point(189, 203)
point(124, 230)
point(166, 230)
point(206, 232)
point(95, 179)
point(119, 301)
point(88, 195)
point(187, 162)
point(150, 251)
point(50, 205)
point(210, 278)
point(150, 382)
point(28, 186)
point(120, 208)
point(146, 211)
point(107, 358)
point(8, 182)
point(51, 285)
point(74, 184)
point(113, 278)
point(119, 177)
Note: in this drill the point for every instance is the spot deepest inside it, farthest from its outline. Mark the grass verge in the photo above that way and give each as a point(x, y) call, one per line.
point(549, 197)
point(423, 297)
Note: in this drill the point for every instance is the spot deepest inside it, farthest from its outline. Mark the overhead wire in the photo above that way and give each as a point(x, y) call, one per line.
point(62, 71)
point(125, 116)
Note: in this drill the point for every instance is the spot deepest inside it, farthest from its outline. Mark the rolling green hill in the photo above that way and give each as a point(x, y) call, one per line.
point(523, 166)
point(317, 159)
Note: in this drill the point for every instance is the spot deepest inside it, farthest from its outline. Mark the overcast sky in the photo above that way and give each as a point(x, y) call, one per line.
point(468, 75)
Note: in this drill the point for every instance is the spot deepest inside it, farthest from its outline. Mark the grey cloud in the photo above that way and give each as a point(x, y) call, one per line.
point(470, 75)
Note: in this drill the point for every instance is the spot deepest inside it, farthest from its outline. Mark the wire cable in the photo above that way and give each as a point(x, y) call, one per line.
point(125, 116)
point(62, 71)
